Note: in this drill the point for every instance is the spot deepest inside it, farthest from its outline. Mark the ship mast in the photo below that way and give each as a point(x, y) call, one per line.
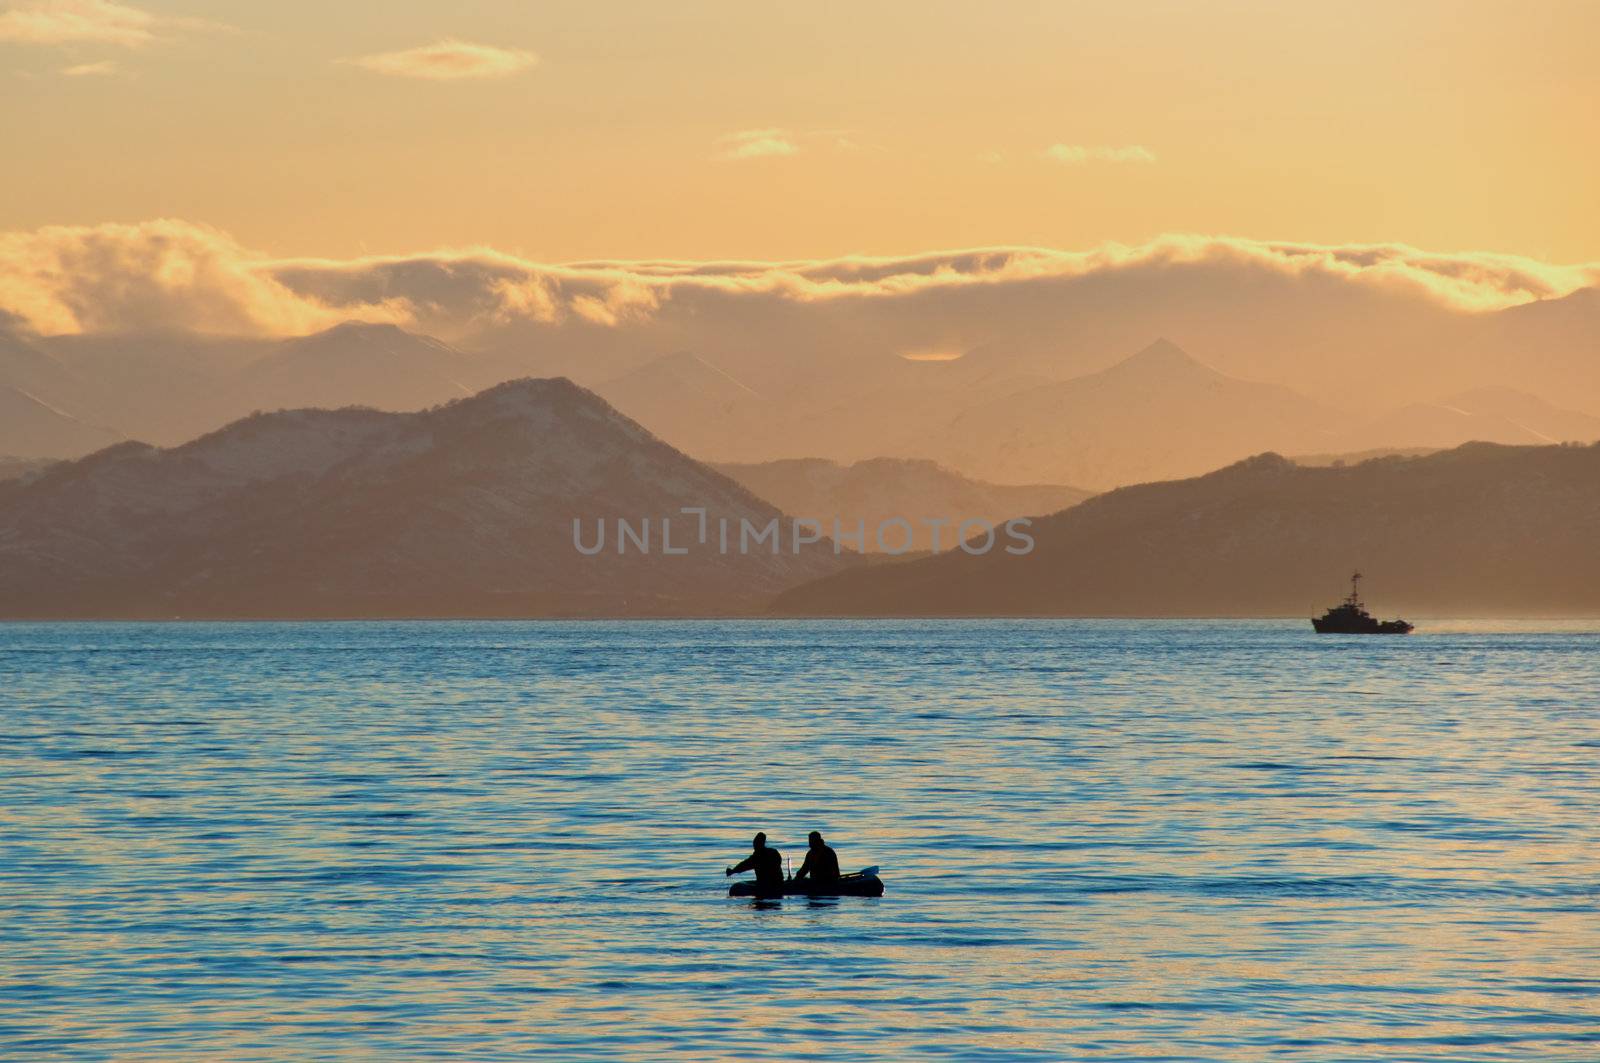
point(1355, 591)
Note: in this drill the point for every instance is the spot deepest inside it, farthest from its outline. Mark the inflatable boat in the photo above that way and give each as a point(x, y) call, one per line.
point(864, 883)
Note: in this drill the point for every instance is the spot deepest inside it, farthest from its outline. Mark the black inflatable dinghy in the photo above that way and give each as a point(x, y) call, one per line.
point(864, 883)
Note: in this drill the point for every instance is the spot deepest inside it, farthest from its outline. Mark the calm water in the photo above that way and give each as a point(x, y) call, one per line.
point(1101, 840)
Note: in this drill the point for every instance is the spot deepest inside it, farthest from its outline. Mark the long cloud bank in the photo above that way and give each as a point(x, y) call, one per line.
point(177, 275)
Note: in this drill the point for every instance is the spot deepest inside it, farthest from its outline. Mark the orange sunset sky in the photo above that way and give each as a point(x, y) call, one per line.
point(564, 131)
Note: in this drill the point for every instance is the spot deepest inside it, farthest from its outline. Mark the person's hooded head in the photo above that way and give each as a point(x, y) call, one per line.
point(760, 841)
point(816, 839)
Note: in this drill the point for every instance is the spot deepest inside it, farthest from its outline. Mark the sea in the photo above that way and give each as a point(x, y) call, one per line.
point(1102, 840)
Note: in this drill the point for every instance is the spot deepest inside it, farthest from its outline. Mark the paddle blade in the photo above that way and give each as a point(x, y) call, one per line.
point(873, 870)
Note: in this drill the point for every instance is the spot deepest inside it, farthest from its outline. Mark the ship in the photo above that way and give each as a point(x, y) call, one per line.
point(1350, 617)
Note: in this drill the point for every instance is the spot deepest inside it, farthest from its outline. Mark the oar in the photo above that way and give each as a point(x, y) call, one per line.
point(873, 871)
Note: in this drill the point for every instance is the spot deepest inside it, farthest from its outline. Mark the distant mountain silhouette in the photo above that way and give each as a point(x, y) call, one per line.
point(165, 388)
point(893, 407)
point(880, 489)
point(1550, 345)
point(1009, 411)
point(1549, 422)
point(1156, 414)
point(461, 510)
point(32, 428)
point(354, 364)
point(170, 388)
point(1481, 529)
point(40, 412)
point(690, 403)
point(28, 369)
point(1489, 415)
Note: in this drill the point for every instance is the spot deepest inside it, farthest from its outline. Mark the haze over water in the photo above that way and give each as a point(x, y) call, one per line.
point(1157, 840)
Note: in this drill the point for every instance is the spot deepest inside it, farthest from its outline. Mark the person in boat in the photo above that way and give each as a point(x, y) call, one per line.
point(765, 861)
point(821, 865)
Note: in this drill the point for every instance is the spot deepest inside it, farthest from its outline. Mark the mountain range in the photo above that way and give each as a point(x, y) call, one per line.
point(1003, 414)
point(1481, 529)
point(169, 388)
point(467, 509)
point(1155, 415)
point(1490, 415)
point(380, 366)
point(918, 492)
point(683, 398)
point(494, 505)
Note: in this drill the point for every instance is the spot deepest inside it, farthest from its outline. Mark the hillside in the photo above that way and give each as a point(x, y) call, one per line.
point(40, 416)
point(33, 428)
point(1485, 415)
point(356, 365)
point(17, 468)
point(690, 403)
point(1066, 405)
point(882, 489)
point(1479, 530)
point(1157, 414)
point(171, 387)
point(461, 510)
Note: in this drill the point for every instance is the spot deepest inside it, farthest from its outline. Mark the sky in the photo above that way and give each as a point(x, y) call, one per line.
point(569, 131)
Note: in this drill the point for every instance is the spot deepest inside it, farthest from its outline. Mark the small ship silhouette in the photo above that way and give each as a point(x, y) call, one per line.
point(1350, 617)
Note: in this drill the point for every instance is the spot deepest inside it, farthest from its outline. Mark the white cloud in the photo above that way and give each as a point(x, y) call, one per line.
point(86, 70)
point(757, 144)
point(449, 60)
point(1082, 154)
point(176, 275)
point(155, 275)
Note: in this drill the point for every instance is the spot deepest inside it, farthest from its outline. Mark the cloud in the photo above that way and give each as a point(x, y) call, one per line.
point(449, 60)
point(157, 275)
point(76, 21)
point(777, 143)
point(757, 144)
point(175, 275)
point(86, 70)
point(91, 22)
point(1083, 154)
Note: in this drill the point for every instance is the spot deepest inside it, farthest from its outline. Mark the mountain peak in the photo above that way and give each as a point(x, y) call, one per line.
point(463, 510)
point(683, 369)
point(1163, 356)
point(350, 338)
point(358, 330)
point(527, 392)
point(1269, 463)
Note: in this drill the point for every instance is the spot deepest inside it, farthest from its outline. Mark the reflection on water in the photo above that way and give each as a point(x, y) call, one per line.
point(1100, 840)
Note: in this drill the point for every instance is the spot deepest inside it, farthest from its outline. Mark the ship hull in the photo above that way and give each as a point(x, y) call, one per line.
point(1350, 617)
point(1324, 626)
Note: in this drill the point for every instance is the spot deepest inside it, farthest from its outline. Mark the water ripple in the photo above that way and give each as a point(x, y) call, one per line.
point(486, 841)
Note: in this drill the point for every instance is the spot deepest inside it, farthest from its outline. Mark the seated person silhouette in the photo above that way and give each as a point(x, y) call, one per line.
point(766, 862)
point(822, 863)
